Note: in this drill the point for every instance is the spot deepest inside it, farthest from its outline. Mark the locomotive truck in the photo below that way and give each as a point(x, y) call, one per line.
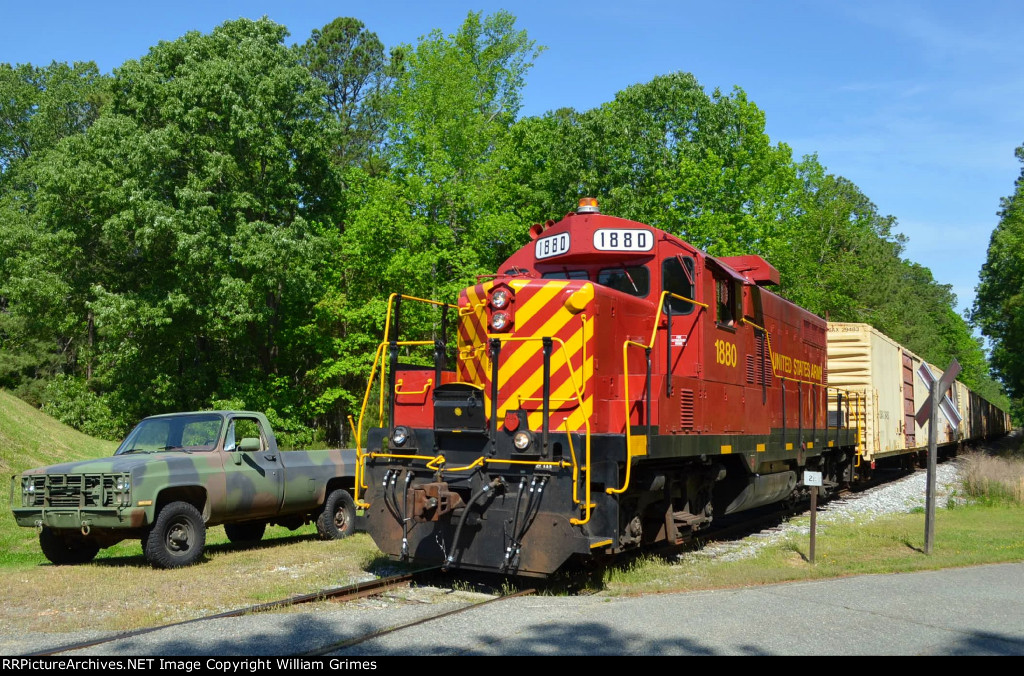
point(175, 475)
point(613, 387)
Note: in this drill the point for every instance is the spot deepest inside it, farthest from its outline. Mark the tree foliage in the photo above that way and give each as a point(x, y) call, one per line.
point(357, 76)
point(999, 303)
point(185, 227)
point(222, 221)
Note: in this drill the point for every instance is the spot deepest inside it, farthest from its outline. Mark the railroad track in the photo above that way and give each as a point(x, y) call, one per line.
point(348, 643)
point(346, 593)
point(760, 522)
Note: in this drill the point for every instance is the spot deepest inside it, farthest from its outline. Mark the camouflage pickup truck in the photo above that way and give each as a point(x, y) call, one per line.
point(176, 475)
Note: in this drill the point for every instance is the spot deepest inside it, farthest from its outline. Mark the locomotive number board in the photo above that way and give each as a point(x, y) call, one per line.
point(555, 245)
point(623, 239)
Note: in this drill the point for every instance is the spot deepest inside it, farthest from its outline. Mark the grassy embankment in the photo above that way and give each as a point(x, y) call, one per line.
point(120, 591)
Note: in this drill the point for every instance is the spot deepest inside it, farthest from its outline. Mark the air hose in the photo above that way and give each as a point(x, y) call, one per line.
point(495, 483)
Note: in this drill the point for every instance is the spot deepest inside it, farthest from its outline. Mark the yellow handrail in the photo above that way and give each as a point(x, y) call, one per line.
point(625, 381)
point(433, 461)
point(856, 396)
point(587, 505)
point(377, 360)
point(426, 388)
point(650, 345)
point(387, 336)
point(438, 462)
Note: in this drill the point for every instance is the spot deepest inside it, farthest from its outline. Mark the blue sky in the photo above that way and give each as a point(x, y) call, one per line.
point(919, 103)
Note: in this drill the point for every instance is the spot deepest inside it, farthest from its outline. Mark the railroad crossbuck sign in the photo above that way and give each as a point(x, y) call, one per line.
point(946, 406)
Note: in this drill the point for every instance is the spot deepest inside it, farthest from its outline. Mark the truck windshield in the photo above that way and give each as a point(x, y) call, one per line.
point(173, 433)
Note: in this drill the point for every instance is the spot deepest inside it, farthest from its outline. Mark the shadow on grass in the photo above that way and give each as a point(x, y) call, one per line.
point(139, 561)
point(905, 541)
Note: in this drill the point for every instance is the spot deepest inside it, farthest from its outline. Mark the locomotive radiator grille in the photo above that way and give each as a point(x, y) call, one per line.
point(686, 409)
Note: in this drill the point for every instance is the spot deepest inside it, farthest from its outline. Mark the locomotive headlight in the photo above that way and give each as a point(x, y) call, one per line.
point(400, 435)
point(500, 321)
point(522, 440)
point(501, 298)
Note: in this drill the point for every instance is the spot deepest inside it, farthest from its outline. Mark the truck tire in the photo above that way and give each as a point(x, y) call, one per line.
point(63, 550)
point(338, 519)
point(177, 538)
point(245, 532)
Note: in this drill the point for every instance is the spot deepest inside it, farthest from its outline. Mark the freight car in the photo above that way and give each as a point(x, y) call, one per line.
point(893, 383)
point(612, 388)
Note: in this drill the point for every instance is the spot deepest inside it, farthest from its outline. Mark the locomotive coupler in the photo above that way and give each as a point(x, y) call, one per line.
point(432, 501)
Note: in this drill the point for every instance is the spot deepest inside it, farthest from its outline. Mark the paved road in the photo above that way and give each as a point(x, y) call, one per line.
point(968, 611)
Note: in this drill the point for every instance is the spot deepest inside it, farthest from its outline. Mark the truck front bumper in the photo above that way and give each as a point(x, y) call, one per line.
point(79, 518)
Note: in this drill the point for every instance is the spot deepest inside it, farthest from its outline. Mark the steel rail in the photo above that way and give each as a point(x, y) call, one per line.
point(348, 592)
point(347, 643)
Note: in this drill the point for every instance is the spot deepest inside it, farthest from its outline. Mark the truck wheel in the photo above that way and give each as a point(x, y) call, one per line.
point(339, 516)
point(63, 550)
point(247, 532)
point(177, 538)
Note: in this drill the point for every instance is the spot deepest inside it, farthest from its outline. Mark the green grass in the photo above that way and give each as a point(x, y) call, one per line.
point(964, 536)
point(30, 438)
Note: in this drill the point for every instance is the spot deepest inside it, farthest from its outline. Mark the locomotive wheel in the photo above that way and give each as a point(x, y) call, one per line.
point(62, 550)
point(338, 519)
point(247, 532)
point(177, 538)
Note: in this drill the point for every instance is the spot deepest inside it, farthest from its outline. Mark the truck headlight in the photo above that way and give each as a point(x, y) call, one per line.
point(123, 484)
point(28, 492)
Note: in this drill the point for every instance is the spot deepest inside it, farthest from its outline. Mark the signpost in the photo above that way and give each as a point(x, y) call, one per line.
point(813, 479)
point(937, 401)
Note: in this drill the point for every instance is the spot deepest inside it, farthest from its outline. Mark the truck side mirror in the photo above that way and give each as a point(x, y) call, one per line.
point(249, 444)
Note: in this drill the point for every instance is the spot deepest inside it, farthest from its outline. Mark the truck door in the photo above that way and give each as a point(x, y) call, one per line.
point(253, 470)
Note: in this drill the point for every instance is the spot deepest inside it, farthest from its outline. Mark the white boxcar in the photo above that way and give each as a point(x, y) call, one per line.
point(865, 361)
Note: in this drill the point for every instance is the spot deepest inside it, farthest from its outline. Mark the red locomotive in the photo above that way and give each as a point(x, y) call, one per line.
point(613, 387)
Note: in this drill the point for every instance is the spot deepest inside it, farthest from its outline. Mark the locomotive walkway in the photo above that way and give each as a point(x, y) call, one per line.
point(966, 611)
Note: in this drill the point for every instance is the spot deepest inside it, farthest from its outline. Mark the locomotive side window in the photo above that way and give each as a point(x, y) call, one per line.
point(725, 302)
point(636, 280)
point(677, 278)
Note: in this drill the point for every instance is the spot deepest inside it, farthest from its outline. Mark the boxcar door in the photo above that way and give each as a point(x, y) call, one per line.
point(909, 424)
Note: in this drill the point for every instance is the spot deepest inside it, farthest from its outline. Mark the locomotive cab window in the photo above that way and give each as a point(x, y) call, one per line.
point(634, 280)
point(566, 274)
point(725, 302)
point(677, 277)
